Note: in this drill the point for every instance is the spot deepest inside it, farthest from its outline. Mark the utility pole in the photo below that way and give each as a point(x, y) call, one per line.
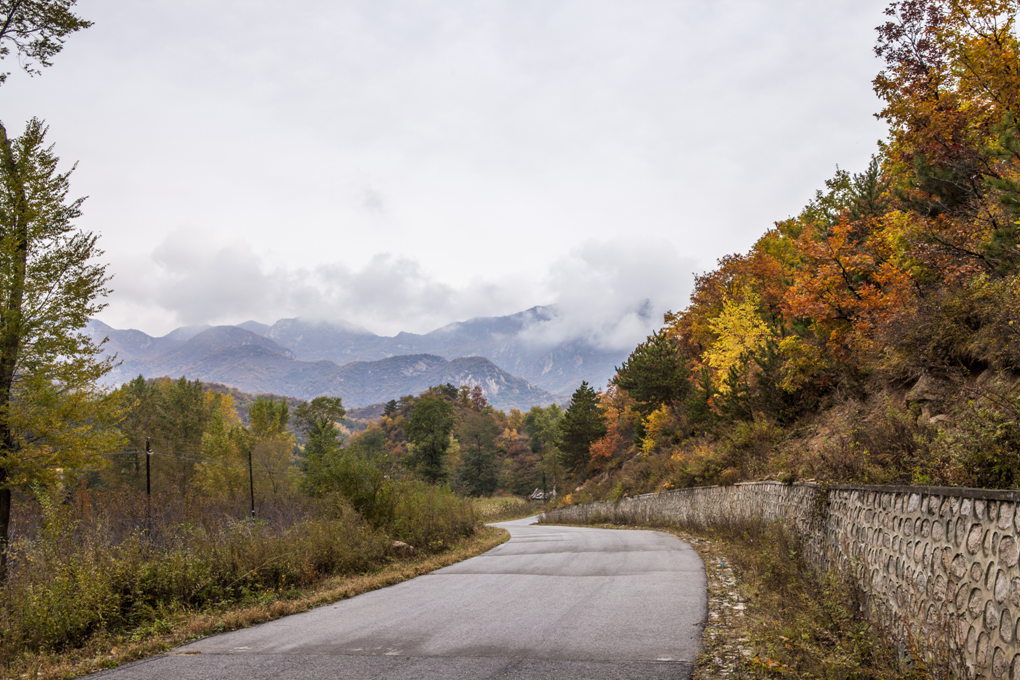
point(251, 482)
point(148, 487)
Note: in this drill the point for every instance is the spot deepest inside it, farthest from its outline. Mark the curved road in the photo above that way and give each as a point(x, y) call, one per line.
point(552, 602)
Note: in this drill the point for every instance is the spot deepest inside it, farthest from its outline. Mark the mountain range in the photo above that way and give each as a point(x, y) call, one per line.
point(305, 359)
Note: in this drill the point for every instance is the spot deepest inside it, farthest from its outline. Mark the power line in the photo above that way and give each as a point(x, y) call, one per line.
point(149, 453)
point(180, 456)
point(198, 459)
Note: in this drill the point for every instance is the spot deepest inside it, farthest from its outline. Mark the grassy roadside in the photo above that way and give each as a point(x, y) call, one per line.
point(107, 651)
point(504, 508)
point(770, 616)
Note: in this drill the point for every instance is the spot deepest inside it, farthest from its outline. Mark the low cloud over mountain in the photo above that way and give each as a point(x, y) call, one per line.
point(506, 355)
point(608, 294)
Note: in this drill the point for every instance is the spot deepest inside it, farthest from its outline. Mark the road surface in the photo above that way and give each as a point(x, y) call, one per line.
point(552, 602)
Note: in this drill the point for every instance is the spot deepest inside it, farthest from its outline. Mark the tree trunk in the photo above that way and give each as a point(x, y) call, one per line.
point(5, 522)
point(11, 329)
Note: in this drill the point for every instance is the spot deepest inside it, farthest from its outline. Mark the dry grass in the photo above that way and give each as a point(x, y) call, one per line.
point(108, 651)
point(504, 508)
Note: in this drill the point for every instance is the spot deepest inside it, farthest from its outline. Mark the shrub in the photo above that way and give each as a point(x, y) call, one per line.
point(982, 442)
point(430, 517)
point(74, 579)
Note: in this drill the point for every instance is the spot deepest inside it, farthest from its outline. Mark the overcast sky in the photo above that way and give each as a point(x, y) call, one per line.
point(401, 164)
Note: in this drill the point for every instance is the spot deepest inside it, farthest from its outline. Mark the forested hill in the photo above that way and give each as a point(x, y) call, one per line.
point(874, 336)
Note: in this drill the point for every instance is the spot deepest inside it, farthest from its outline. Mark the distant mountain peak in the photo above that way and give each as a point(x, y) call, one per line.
point(306, 357)
point(255, 327)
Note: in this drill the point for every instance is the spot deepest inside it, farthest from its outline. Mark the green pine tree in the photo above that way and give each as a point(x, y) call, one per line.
point(655, 373)
point(582, 424)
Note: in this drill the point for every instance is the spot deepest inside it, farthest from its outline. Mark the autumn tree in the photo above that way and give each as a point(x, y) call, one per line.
point(221, 469)
point(271, 446)
point(582, 424)
point(52, 415)
point(739, 330)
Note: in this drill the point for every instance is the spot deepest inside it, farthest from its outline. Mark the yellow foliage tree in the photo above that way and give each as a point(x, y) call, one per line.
point(739, 330)
point(659, 428)
point(226, 444)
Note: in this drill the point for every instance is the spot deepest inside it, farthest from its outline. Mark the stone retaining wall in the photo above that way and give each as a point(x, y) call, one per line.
point(938, 567)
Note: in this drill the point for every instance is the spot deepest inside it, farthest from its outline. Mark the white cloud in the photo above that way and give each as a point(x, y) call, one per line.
point(187, 281)
point(403, 164)
point(609, 292)
point(614, 293)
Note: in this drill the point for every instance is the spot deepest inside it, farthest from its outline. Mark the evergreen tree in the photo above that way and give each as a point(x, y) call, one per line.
point(655, 373)
point(581, 425)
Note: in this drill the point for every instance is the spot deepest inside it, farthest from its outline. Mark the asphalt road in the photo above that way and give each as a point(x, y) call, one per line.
point(552, 602)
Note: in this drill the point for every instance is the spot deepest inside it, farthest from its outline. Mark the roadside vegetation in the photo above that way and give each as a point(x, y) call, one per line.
point(503, 508)
point(776, 617)
point(175, 623)
point(772, 616)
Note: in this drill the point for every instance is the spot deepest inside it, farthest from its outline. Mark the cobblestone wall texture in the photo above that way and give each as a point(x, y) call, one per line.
point(937, 567)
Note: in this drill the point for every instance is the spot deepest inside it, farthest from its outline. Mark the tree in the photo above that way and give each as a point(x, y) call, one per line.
point(319, 414)
point(36, 29)
point(542, 426)
point(655, 373)
point(272, 446)
point(739, 330)
point(428, 429)
point(51, 414)
point(478, 400)
point(581, 425)
point(224, 446)
point(318, 419)
point(268, 417)
point(478, 472)
point(173, 416)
